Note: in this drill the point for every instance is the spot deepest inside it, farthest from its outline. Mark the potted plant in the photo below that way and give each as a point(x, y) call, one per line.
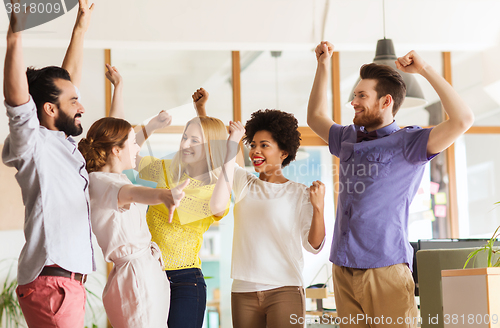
point(94, 308)
point(489, 248)
point(10, 311)
point(470, 296)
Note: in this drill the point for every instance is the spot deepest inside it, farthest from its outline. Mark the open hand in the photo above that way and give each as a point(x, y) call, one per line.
point(18, 18)
point(84, 14)
point(176, 195)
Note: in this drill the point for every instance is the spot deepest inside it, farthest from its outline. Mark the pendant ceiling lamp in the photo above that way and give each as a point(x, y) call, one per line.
point(385, 55)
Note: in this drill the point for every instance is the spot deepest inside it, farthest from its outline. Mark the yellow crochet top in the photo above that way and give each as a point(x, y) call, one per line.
point(181, 240)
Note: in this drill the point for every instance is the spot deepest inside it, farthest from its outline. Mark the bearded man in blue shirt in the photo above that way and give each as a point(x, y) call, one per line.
point(381, 167)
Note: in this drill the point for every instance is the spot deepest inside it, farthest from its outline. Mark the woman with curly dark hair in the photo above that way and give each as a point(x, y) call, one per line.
point(273, 217)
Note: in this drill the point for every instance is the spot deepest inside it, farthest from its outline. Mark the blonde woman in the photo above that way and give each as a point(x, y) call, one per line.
point(206, 157)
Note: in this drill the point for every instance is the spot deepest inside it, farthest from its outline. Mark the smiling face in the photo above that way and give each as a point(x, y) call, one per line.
point(367, 106)
point(192, 148)
point(265, 153)
point(69, 110)
point(128, 153)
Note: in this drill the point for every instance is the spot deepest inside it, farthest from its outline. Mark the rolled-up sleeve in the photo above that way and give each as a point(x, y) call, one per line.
point(24, 127)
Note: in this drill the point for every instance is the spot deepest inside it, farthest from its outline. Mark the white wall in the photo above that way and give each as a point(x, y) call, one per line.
point(91, 88)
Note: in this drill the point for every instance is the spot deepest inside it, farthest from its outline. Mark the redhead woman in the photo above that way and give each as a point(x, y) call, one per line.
point(137, 294)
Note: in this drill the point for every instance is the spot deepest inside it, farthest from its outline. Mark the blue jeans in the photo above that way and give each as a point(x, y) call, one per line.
point(188, 298)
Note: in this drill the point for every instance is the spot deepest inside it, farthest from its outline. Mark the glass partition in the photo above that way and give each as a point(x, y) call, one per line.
point(477, 181)
point(277, 80)
point(476, 77)
point(165, 79)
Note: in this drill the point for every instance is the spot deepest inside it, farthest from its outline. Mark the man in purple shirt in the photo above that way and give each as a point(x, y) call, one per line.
point(381, 167)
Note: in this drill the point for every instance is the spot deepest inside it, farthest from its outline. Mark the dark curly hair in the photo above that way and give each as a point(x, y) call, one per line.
point(282, 126)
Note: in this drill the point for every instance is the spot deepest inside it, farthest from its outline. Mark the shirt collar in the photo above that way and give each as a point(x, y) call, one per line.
point(60, 134)
point(382, 132)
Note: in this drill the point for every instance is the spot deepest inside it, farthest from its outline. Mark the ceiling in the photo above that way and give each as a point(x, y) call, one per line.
point(353, 25)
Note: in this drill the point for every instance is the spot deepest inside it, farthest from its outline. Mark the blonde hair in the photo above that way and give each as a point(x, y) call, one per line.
point(215, 135)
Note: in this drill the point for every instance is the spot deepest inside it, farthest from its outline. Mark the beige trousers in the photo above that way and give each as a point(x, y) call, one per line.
point(276, 308)
point(375, 298)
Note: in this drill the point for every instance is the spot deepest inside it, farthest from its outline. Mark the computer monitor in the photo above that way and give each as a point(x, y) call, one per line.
point(441, 244)
point(452, 243)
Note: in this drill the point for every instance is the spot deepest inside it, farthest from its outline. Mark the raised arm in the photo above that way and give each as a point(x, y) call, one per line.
point(317, 230)
point(224, 184)
point(15, 82)
point(200, 98)
point(317, 109)
point(162, 120)
point(460, 115)
point(116, 79)
point(151, 196)
point(73, 60)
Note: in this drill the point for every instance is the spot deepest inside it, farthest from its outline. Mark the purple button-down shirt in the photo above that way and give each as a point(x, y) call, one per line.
point(377, 182)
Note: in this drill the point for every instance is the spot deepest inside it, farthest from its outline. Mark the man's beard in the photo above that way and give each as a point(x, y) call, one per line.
point(369, 120)
point(66, 124)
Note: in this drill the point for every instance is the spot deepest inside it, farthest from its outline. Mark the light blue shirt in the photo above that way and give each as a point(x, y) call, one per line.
point(378, 180)
point(54, 185)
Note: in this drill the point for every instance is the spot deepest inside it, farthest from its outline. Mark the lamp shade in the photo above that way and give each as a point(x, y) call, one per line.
point(385, 55)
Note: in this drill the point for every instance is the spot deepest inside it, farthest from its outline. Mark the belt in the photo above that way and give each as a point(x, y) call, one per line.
point(152, 249)
point(60, 272)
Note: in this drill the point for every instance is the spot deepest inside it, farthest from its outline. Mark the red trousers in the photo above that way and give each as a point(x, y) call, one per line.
point(50, 301)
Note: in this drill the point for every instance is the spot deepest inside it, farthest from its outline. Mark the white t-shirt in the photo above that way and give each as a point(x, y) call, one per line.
point(120, 231)
point(271, 225)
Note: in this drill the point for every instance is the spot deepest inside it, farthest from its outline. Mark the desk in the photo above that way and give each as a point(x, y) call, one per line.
point(214, 306)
